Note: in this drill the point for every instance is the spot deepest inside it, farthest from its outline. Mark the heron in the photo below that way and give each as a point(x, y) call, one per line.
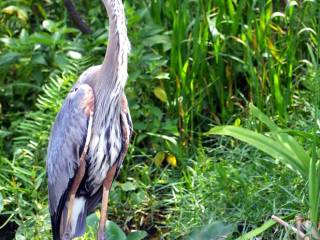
point(90, 137)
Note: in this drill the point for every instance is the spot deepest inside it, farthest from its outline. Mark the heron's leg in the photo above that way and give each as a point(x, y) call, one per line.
point(77, 179)
point(74, 188)
point(107, 183)
point(125, 127)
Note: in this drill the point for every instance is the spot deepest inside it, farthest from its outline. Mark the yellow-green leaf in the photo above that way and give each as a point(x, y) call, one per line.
point(10, 10)
point(158, 159)
point(237, 122)
point(160, 94)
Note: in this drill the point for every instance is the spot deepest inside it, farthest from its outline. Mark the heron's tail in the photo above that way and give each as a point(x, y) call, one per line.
point(77, 221)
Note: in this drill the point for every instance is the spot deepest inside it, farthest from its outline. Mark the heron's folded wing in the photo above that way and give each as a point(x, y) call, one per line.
point(66, 143)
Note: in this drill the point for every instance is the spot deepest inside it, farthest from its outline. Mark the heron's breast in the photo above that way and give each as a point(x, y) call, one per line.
point(104, 150)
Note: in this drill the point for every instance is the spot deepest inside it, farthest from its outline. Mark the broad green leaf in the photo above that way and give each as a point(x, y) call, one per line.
point(271, 147)
point(128, 186)
point(302, 134)
point(114, 232)
point(9, 58)
point(215, 231)
point(160, 94)
point(289, 143)
point(262, 117)
point(137, 235)
point(39, 59)
point(138, 198)
point(280, 136)
point(92, 220)
point(42, 38)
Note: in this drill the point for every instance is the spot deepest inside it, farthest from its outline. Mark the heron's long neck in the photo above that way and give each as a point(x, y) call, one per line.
point(114, 67)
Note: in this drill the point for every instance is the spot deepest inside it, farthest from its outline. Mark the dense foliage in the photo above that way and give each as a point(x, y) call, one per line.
point(193, 65)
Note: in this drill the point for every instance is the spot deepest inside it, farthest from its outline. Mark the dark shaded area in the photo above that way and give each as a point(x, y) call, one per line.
point(9, 230)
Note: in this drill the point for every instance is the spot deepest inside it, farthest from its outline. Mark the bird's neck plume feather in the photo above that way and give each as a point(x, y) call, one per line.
point(116, 58)
point(109, 82)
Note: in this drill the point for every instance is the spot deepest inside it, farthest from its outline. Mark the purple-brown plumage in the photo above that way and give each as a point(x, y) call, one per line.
point(87, 102)
point(90, 137)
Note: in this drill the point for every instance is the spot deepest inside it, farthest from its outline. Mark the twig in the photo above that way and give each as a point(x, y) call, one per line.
point(76, 18)
point(286, 225)
point(299, 224)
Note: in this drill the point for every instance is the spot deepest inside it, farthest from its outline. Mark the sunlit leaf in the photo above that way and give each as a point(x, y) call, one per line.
point(160, 94)
point(308, 30)
point(163, 75)
point(74, 54)
point(167, 138)
point(237, 122)
point(277, 14)
point(48, 25)
point(128, 186)
point(21, 13)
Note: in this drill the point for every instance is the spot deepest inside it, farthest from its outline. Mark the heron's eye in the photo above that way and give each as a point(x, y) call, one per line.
point(72, 91)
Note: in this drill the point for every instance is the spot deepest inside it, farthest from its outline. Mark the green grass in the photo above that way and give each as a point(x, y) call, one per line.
point(236, 185)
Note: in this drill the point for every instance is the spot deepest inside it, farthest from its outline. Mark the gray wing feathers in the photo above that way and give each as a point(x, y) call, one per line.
point(67, 138)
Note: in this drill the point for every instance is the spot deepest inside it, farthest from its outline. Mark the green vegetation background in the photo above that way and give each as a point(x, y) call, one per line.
point(193, 65)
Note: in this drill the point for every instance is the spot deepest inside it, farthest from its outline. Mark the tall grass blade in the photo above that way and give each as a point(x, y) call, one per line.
point(276, 149)
point(278, 135)
point(250, 235)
